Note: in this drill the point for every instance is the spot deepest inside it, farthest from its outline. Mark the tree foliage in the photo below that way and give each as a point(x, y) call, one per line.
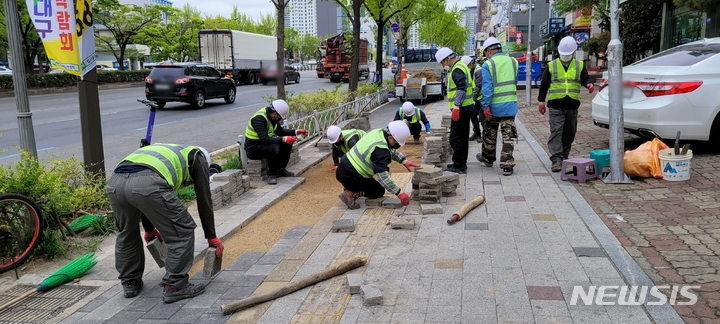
point(596, 45)
point(123, 23)
point(640, 25)
point(176, 40)
point(352, 9)
point(266, 25)
point(442, 27)
point(281, 6)
point(382, 12)
point(709, 6)
point(31, 43)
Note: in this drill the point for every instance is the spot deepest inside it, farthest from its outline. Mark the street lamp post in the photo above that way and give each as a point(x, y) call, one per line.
point(528, 58)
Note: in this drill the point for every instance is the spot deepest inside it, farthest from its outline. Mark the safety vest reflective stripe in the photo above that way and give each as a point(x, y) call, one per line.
point(452, 88)
point(347, 136)
point(359, 155)
point(504, 83)
point(415, 117)
point(169, 160)
point(250, 131)
point(565, 83)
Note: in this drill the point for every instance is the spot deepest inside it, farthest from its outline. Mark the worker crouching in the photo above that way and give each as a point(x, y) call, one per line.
point(342, 141)
point(415, 118)
point(371, 156)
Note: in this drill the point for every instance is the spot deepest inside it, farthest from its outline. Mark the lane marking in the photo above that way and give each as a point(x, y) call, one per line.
point(168, 123)
point(246, 106)
point(16, 155)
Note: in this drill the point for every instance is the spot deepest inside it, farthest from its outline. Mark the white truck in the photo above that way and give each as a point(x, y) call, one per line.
point(237, 54)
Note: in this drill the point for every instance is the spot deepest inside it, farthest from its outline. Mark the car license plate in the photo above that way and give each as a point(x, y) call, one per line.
point(162, 87)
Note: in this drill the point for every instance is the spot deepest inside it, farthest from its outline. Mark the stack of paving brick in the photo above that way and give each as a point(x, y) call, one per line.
point(444, 134)
point(228, 186)
point(257, 170)
point(429, 180)
point(446, 121)
point(433, 151)
point(449, 186)
point(294, 155)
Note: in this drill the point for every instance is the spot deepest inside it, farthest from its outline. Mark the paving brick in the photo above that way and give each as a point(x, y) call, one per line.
point(402, 223)
point(392, 202)
point(354, 281)
point(371, 295)
point(431, 209)
point(343, 225)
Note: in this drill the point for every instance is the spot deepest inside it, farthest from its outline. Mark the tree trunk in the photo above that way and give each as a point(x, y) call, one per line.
point(355, 60)
point(281, 4)
point(378, 52)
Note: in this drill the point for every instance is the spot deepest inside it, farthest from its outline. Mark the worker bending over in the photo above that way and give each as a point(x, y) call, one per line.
point(342, 141)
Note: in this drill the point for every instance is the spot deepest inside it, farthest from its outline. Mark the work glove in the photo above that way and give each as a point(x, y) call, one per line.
point(301, 132)
point(456, 114)
point(333, 168)
point(404, 199)
point(487, 114)
point(149, 236)
point(427, 128)
point(541, 108)
point(289, 140)
point(590, 87)
point(409, 164)
point(215, 242)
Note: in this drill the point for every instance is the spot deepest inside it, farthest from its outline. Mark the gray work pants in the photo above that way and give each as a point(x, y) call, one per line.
point(563, 125)
point(145, 192)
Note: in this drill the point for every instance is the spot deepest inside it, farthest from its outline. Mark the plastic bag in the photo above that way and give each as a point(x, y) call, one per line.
point(644, 161)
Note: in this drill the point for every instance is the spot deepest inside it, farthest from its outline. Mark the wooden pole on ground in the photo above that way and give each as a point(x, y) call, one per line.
point(292, 287)
point(460, 213)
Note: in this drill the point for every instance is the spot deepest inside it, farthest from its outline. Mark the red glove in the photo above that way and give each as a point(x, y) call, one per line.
point(289, 140)
point(215, 242)
point(409, 164)
point(333, 168)
point(455, 114)
point(541, 108)
point(149, 236)
point(404, 199)
point(301, 132)
point(487, 114)
point(590, 87)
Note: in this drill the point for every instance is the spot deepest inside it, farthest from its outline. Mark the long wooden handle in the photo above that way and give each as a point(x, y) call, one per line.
point(292, 287)
point(12, 302)
point(460, 213)
point(333, 123)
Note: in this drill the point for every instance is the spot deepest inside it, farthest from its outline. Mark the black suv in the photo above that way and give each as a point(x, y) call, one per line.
point(193, 83)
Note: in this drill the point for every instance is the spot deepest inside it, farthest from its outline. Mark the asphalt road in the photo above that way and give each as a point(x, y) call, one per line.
point(56, 121)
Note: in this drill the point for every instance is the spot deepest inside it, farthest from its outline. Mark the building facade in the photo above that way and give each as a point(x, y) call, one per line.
point(469, 20)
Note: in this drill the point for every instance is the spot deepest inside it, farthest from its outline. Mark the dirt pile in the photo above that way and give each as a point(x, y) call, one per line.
point(430, 76)
point(414, 85)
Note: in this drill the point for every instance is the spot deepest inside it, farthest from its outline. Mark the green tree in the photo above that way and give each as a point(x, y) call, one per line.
point(352, 9)
point(640, 25)
point(382, 11)
point(122, 23)
point(292, 41)
point(281, 6)
point(309, 44)
point(31, 42)
point(709, 6)
point(443, 28)
point(596, 45)
point(178, 39)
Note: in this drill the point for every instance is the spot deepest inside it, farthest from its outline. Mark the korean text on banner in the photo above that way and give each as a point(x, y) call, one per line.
point(85, 35)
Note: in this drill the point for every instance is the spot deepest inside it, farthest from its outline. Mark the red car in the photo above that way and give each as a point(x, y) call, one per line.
point(522, 56)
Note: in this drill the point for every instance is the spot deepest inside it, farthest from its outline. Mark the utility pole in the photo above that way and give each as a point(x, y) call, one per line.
point(528, 58)
point(17, 64)
point(615, 88)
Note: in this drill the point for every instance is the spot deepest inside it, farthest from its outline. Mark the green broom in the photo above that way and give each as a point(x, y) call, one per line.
point(81, 223)
point(75, 269)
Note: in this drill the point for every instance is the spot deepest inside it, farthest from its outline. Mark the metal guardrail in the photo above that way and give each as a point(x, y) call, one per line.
point(321, 120)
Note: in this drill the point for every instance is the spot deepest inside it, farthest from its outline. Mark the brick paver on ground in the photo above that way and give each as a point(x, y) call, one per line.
point(671, 229)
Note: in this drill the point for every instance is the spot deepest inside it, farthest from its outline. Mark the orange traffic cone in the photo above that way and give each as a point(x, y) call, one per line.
point(403, 74)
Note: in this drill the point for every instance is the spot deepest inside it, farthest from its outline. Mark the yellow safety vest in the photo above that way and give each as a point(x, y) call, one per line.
point(452, 88)
point(347, 135)
point(169, 160)
point(474, 83)
point(359, 155)
point(415, 117)
point(565, 83)
point(505, 81)
point(250, 131)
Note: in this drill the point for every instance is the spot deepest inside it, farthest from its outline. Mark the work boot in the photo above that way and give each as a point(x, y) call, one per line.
point(416, 140)
point(272, 180)
point(132, 288)
point(458, 170)
point(284, 173)
point(556, 166)
point(507, 171)
point(475, 137)
point(172, 294)
point(483, 161)
point(348, 197)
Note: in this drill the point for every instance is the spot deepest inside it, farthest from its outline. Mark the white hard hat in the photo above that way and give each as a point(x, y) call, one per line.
point(466, 59)
point(333, 134)
point(205, 153)
point(490, 42)
point(399, 131)
point(408, 108)
point(567, 46)
point(442, 54)
point(281, 107)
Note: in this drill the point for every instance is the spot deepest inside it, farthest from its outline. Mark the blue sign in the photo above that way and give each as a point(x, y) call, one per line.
point(534, 73)
point(581, 38)
point(552, 26)
point(395, 27)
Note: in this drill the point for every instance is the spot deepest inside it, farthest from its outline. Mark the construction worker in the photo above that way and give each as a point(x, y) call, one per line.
point(267, 139)
point(499, 104)
point(476, 119)
point(414, 117)
point(460, 101)
point(144, 183)
point(371, 156)
point(342, 141)
point(561, 82)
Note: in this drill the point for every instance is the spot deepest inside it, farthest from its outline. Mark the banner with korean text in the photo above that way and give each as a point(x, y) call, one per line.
point(66, 32)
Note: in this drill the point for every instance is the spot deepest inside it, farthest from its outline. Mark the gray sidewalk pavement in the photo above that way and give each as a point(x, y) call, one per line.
point(513, 259)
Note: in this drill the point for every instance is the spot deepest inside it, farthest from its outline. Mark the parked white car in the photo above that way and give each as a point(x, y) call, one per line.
point(5, 70)
point(674, 90)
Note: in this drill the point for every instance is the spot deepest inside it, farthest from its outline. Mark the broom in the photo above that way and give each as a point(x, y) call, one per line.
point(75, 269)
point(81, 223)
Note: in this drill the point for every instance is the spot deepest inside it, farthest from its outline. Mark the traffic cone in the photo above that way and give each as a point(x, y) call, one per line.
point(403, 74)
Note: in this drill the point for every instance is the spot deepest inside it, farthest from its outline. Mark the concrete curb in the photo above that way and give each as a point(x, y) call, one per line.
point(625, 264)
point(107, 86)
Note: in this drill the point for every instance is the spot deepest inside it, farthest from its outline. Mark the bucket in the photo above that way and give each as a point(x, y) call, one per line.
point(675, 167)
